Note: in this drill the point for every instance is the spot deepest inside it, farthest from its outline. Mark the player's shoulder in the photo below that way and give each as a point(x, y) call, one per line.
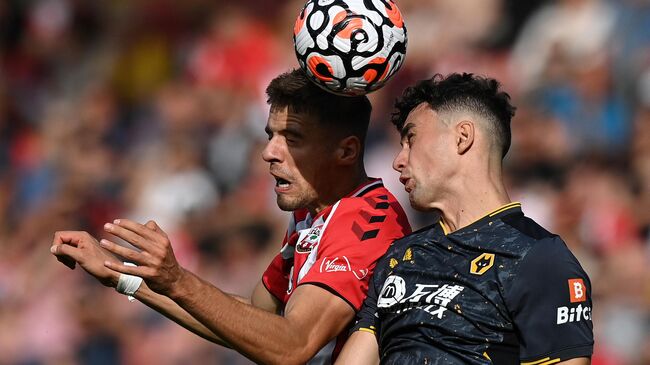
point(373, 205)
point(537, 242)
point(551, 253)
point(526, 228)
point(374, 197)
point(370, 215)
point(400, 245)
point(546, 256)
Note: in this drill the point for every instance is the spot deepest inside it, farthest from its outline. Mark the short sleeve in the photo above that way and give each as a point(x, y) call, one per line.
point(550, 301)
point(275, 278)
point(355, 239)
point(367, 318)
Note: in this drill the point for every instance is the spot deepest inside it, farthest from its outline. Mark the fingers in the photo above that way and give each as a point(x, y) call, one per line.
point(131, 270)
point(126, 253)
point(66, 253)
point(129, 236)
point(154, 226)
point(69, 237)
point(138, 235)
point(142, 230)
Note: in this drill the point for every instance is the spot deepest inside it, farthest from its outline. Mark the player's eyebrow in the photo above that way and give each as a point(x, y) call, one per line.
point(293, 130)
point(406, 130)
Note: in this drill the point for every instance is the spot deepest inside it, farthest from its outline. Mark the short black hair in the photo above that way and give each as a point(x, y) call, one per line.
point(456, 92)
point(348, 115)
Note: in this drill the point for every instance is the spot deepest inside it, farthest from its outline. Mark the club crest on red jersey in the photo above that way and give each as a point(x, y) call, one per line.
point(308, 241)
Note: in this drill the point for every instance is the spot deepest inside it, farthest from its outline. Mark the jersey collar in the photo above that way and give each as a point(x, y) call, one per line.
point(364, 188)
point(507, 209)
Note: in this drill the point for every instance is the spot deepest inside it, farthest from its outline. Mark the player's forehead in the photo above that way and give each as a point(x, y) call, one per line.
point(421, 117)
point(283, 118)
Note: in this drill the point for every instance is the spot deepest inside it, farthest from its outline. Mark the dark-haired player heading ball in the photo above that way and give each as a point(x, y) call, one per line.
point(485, 284)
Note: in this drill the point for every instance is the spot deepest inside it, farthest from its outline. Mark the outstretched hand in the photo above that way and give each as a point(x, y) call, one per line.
point(71, 247)
point(155, 261)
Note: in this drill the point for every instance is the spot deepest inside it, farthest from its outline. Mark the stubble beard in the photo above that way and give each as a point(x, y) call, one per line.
point(418, 200)
point(291, 203)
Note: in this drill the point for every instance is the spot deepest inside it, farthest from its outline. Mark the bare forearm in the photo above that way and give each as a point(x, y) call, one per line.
point(312, 316)
point(360, 349)
point(173, 311)
point(262, 336)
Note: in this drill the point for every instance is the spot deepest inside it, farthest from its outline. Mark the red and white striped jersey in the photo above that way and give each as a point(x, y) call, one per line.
point(338, 249)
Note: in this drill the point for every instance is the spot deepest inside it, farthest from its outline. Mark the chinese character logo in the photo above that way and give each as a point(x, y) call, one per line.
point(482, 264)
point(577, 290)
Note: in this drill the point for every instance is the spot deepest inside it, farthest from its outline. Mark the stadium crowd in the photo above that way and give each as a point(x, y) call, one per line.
point(154, 109)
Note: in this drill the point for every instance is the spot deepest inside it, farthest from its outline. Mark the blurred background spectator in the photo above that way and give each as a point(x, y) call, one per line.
point(154, 109)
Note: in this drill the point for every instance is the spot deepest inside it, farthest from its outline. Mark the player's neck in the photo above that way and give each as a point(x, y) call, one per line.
point(471, 200)
point(343, 186)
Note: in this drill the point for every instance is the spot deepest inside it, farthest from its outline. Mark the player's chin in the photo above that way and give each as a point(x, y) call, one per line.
point(288, 203)
point(417, 202)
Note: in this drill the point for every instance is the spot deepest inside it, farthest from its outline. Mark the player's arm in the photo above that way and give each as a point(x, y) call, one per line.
point(173, 311)
point(550, 301)
point(261, 298)
point(79, 247)
point(312, 317)
point(360, 349)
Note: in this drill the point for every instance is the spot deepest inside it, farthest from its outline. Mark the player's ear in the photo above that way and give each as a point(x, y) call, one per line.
point(348, 150)
point(465, 133)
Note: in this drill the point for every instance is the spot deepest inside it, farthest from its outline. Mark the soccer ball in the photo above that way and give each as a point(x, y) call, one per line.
point(350, 47)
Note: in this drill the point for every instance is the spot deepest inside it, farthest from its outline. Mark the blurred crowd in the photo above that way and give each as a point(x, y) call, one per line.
point(154, 109)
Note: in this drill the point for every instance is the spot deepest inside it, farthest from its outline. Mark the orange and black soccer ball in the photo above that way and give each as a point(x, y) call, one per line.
point(350, 47)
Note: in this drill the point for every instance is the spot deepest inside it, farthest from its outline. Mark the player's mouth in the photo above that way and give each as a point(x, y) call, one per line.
point(406, 182)
point(281, 185)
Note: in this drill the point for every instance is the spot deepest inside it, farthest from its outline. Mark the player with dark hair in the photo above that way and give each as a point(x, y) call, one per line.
point(342, 223)
point(485, 284)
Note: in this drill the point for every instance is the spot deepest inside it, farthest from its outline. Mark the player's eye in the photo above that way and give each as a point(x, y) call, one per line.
point(292, 137)
point(409, 138)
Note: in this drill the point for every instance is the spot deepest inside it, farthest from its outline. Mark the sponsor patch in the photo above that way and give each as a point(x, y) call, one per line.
point(392, 292)
point(431, 298)
point(341, 264)
point(573, 314)
point(578, 290)
point(336, 264)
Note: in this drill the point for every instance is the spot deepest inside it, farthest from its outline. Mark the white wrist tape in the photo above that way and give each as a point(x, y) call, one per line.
point(128, 284)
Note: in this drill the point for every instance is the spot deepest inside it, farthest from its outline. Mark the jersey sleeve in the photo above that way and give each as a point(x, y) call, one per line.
point(550, 301)
point(357, 235)
point(367, 318)
point(275, 279)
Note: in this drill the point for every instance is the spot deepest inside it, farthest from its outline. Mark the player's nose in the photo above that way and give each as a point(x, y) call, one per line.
point(400, 160)
point(272, 151)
